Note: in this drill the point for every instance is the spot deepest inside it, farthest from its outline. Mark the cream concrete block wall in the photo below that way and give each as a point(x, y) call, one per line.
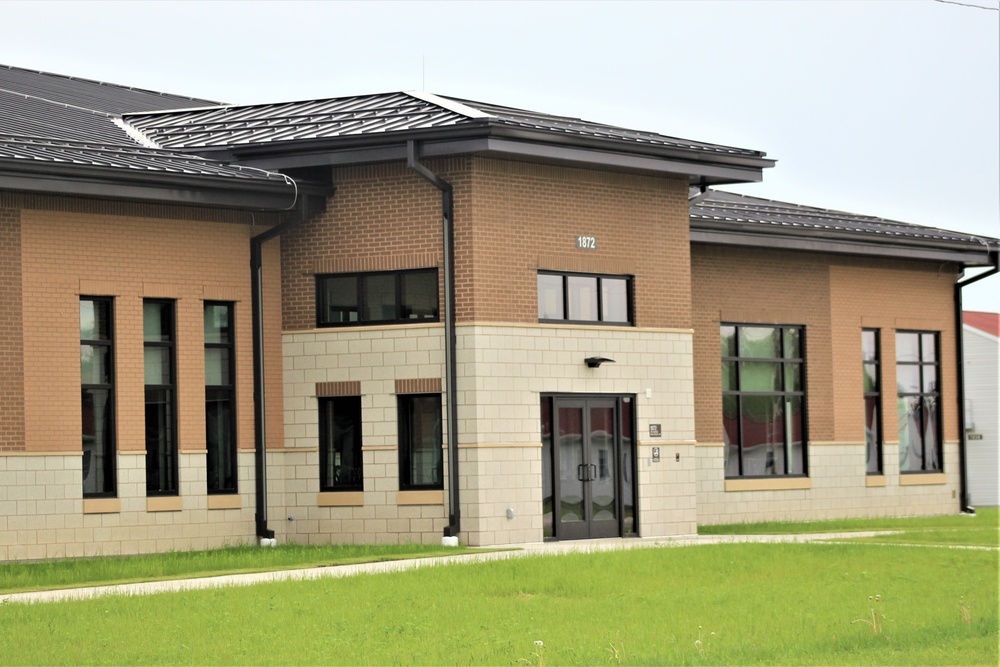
point(838, 484)
point(375, 357)
point(502, 372)
point(43, 513)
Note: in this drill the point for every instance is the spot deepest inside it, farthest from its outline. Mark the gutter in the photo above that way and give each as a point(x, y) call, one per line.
point(993, 256)
point(450, 343)
point(304, 207)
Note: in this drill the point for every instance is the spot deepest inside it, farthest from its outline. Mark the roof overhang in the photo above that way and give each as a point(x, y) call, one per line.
point(151, 186)
point(965, 254)
point(698, 167)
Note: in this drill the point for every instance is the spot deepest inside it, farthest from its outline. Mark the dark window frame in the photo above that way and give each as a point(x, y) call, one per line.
point(230, 391)
point(355, 479)
point(171, 388)
point(936, 394)
point(110, 453)
point(565, 275)
point(404, 406)
point(875, 393)
point(361, 278)
point(739, 393)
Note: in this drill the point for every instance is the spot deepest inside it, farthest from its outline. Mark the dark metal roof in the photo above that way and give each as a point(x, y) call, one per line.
point(727, 217)
point(228, 126)
point(123, 157)
point(584, 128)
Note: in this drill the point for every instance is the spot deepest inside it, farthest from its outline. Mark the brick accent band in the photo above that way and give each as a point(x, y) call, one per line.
point(346, 388)
point(418, 386)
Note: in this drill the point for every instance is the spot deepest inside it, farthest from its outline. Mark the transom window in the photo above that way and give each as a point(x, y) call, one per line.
point(389, 297)
point(570, 297)
point(763, 400)
point(918, 382)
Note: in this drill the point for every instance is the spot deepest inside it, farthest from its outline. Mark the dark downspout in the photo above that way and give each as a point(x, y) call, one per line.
point(450, 344)
point(963, 484)
point(259, 396)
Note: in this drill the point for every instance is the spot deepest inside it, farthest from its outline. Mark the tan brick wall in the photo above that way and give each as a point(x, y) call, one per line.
point(834, 297)
point(511, 219)
point(11, 340)
point(526, 217)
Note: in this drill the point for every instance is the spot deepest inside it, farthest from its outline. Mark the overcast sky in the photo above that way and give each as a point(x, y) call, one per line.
point(876, 107)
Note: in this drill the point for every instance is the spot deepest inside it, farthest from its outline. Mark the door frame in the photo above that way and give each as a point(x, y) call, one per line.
point(623, 464)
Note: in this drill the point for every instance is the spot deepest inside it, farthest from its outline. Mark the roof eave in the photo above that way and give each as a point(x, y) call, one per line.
point(966, 254)
point(478, 137)
point(188, 189)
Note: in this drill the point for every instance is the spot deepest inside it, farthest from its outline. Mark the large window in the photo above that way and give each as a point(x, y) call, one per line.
point(420, 441)
point(161, 400)
point(400, 297)
point(340, 465)
point(584, 298)
point(917, 384)
point(220, 395)
point(871, 356)
point(763, 400)
point(97, 381)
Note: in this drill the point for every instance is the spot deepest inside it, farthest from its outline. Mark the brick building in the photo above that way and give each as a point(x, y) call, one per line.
point(391, 317)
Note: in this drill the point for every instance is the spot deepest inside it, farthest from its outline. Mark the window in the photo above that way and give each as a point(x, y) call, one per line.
point(97, 381)
point(340, 465)
point(399, 297)
point(161, 403)
point(871, 356)
point(584, 298)
point(220, 394)
point(917, 383)
point(763, 400)
point(420, 441)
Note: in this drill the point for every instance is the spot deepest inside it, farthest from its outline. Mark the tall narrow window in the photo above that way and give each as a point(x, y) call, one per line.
point(420, 464)
point(161, 400)
point(918, 391)
point(763, 400)
point(220, 395)
point(340, 444)
point(871, 356)
point(98, 396)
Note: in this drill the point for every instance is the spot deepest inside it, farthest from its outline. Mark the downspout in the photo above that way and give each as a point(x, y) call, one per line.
point(259, 394)
point(450, 344)
point(963, 484)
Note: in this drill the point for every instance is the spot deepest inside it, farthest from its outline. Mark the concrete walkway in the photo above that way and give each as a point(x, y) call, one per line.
point(517, 551)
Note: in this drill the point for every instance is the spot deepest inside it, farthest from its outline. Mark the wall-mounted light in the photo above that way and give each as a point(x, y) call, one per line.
point(595, 362)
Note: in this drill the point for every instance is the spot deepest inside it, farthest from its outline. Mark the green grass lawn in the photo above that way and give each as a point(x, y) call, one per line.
point(76, 572)
point(706, 605)
point(983, 529)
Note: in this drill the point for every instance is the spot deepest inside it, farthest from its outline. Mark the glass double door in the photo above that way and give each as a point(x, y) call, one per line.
point(589, 476)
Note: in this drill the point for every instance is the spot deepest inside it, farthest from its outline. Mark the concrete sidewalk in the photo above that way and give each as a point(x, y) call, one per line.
point(516, 551)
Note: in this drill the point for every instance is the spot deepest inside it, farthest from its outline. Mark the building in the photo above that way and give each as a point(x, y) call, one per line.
point(981, 342)
point(311, 297)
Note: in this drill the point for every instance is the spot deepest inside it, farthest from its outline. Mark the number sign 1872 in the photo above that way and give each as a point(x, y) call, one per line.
point(586, 242)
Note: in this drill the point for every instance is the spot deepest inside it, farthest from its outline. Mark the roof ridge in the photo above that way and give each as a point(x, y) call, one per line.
point(449, 104)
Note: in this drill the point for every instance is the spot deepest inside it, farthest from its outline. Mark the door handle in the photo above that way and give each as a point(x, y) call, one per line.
point(579, 473)
point(593, 475)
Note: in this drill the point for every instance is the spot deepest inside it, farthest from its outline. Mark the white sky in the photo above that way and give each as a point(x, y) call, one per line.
point(888, 108)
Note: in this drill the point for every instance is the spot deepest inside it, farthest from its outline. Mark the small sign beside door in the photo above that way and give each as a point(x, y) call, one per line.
point(654, 431)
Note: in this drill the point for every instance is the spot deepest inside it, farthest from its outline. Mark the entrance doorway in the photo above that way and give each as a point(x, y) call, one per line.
point(588, 466)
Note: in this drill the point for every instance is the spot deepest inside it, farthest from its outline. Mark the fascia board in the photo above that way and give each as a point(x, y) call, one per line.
point(842, 247)
point(178, 190)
